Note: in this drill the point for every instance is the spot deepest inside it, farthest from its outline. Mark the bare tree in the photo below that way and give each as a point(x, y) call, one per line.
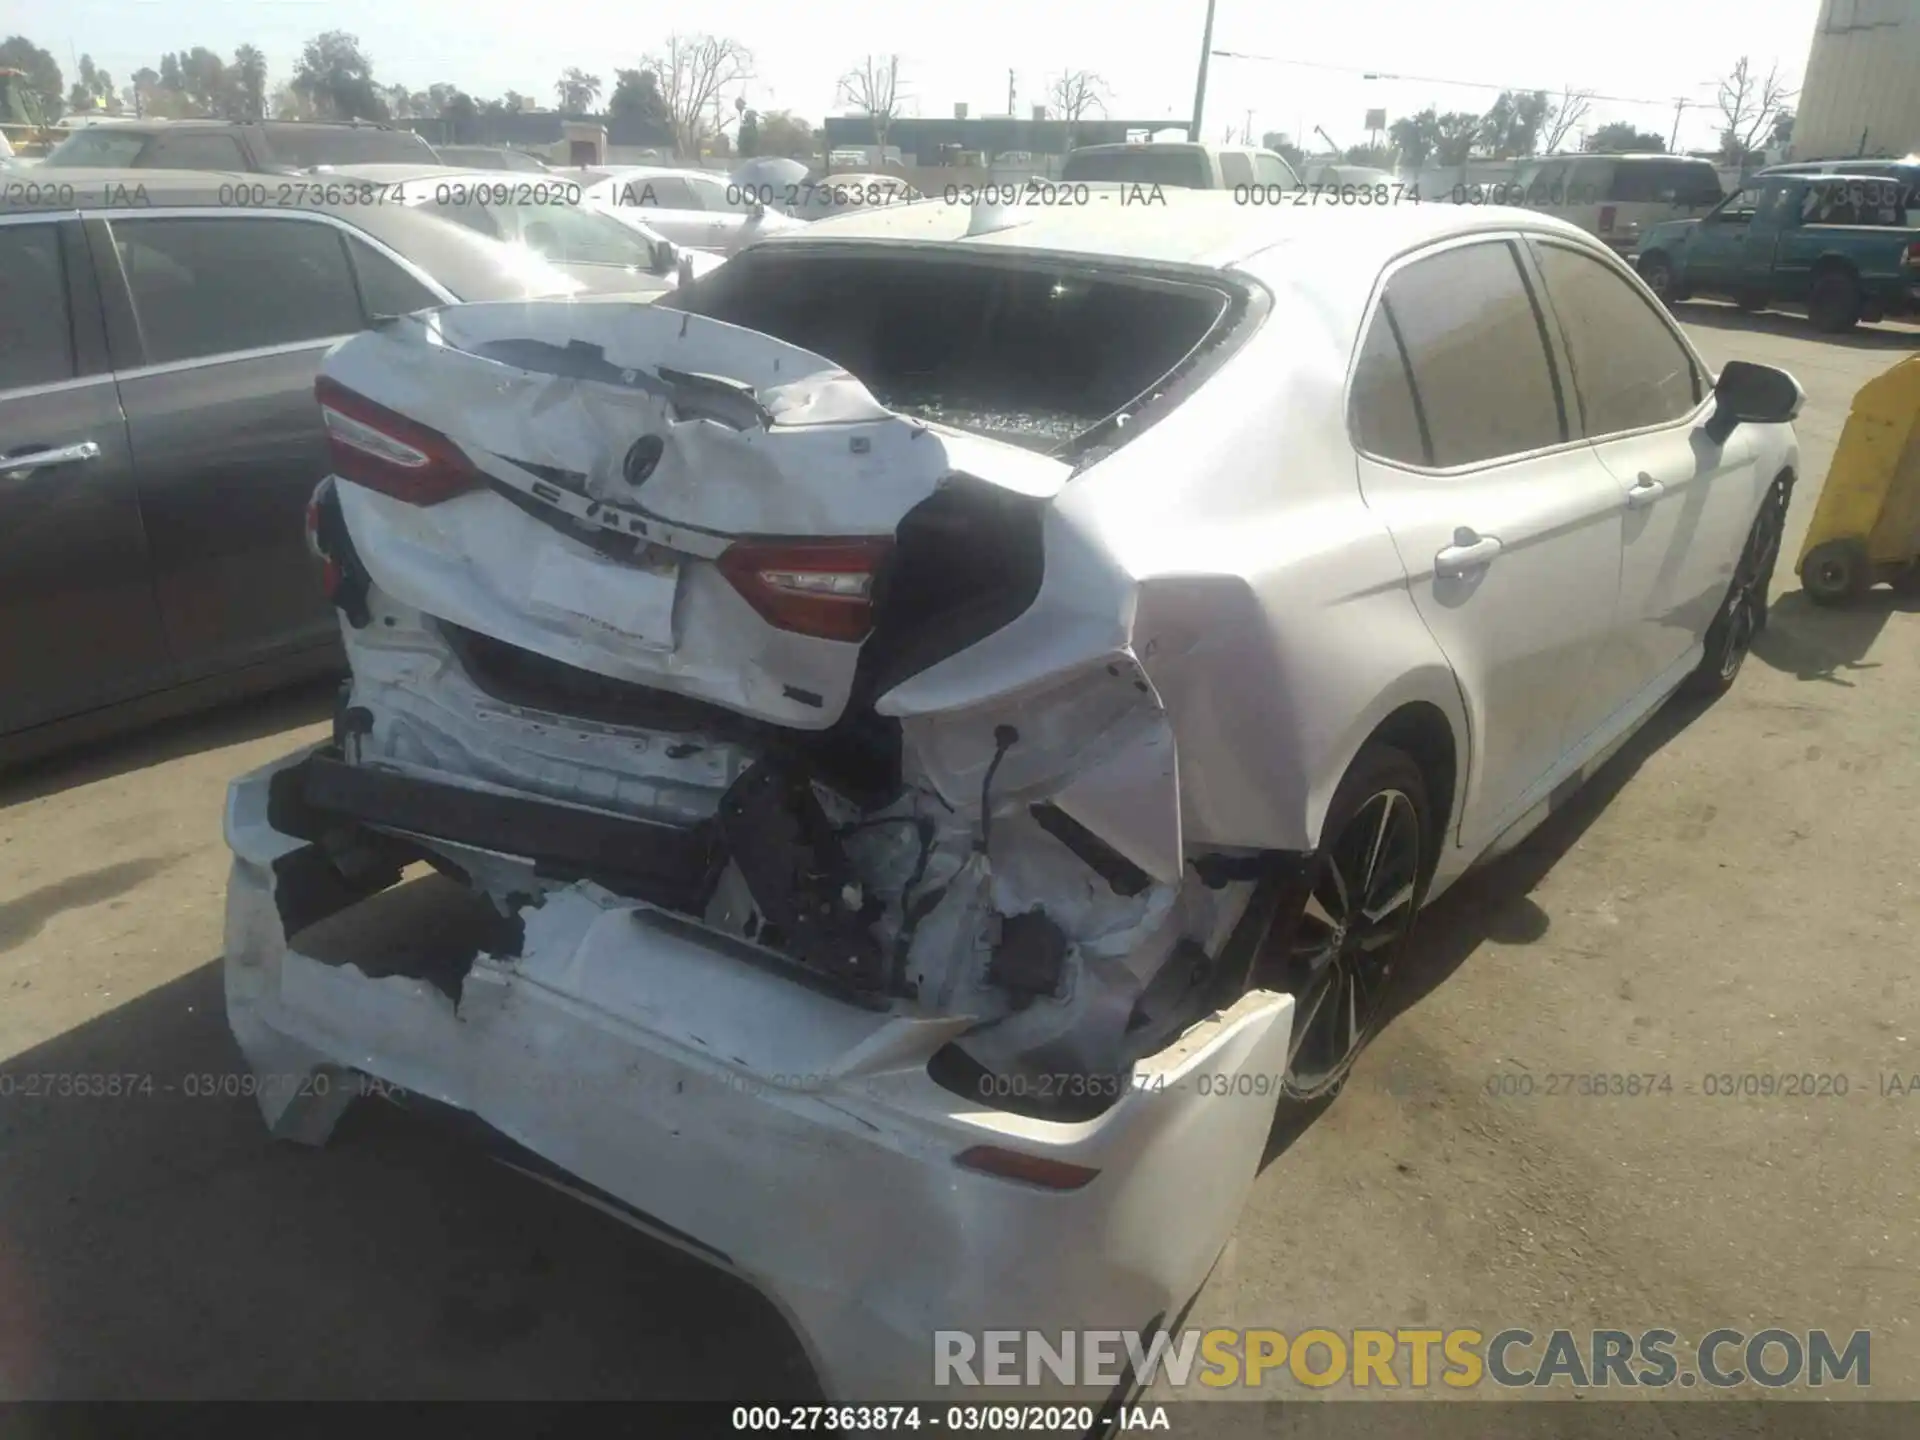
point(1075, 94)
point(1563, 118)
point(693, 72)
point(873, 88)
point(1747, 107)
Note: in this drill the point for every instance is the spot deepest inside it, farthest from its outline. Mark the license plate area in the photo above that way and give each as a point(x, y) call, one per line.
point(632, 599)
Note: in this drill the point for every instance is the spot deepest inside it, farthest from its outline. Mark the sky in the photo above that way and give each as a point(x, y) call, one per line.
point(1656, 51)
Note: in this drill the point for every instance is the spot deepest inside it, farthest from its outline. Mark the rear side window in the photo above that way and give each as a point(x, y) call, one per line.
point(1183, 168)
point(215, 285)
point(36, 337)
point(98, 147)
point(1383, 413)
point(304, 147)
point(1476, 348)
point(1629, 370)
point(1272, 170)
point(196, 151)
point(1235, 169)
point(385, 288)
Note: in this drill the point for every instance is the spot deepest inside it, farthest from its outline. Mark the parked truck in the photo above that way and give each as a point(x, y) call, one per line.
point(1846, 246)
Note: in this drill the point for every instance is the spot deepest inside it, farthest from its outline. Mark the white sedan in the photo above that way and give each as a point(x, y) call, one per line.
point(690, 207)
point(930, 734)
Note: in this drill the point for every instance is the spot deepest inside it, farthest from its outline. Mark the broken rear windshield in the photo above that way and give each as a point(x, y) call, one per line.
point(1033, 354)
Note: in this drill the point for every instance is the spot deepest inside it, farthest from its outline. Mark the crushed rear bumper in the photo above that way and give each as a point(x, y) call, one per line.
point(788, 1133)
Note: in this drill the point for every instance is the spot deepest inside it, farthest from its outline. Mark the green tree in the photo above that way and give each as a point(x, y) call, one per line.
point(93, 90)
point(748, 143)
point(1374, 157)
point(1619, 137)
point(1512, 127)
point(1455, 135)
point(43, 82)
point(1416, 137)
point(637, 99)
point(336, 77)
point(577, 90)
point(781, 132)
point(247, 89)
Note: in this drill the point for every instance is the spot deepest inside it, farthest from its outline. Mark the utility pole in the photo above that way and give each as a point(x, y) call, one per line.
point(1673, 140)
point(1200, 86)
point(1246, 131)
point(1009, 92)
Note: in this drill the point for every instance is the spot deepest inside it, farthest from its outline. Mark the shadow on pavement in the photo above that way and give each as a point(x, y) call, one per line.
point(233, 723)
point(1793, 326)
point(1815, 642)
point(157, 1245)
point(1494, 902)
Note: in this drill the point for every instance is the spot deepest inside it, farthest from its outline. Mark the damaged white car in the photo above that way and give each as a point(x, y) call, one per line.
point(927, 733)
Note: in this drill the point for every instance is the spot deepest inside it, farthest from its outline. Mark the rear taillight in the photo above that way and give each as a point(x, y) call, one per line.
point(822, 588)
point(1606, 219)
point(384, 451)
point(1912, 258)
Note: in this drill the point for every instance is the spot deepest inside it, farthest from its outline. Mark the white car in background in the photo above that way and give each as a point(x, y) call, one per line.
point(692, 208)
point(926, 735)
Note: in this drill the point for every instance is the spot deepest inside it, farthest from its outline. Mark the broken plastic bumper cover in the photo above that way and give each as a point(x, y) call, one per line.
point(759, 1124)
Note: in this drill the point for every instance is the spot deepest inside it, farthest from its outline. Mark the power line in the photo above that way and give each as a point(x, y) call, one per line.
point(1434, 79)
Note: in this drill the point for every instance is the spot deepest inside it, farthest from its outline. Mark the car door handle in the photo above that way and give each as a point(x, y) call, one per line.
point(23, 463)
point(1645, 491)
point(1468, 552)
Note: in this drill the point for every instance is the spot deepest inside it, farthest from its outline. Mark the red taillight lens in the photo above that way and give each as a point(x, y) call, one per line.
point(1606, 219)
point(822, 588)
point(1029, 1169)
point(374, 447)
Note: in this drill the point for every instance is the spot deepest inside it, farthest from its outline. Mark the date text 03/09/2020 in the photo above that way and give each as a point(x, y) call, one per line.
point(1074, 1420)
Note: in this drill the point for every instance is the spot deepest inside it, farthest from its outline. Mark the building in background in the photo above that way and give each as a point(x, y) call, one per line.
point(969, 143)
point(1861, 94)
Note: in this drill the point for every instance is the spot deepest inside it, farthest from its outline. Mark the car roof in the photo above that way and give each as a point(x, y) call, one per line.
point(1204, 229)
point(614, 172)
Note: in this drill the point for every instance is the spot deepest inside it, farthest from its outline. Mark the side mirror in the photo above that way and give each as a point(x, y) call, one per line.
point(1750, 394)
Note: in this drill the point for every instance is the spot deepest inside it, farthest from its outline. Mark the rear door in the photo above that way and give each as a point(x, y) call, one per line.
point(1685, 503)
point(78, 622)
point(1717, 248)
point(218, 327)
point(726, 212)
point(1505, 520)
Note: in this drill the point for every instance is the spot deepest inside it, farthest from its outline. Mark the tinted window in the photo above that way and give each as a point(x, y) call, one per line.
point(1478, 355)
point(304, 146)
point(1590, 182)
point(659, 192)
point(190, 151)
point(1186, 168)
point(1385, 420)
point(36, 341)
point(1235, 169)
point(1272, 170)
point(1628, 368)
point(99, 146)
point(215, 285)
point(386, 289)
point(1855, 202)
point(712, 195)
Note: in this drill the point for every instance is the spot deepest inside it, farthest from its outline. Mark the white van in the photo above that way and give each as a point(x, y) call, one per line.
point(1615, 197)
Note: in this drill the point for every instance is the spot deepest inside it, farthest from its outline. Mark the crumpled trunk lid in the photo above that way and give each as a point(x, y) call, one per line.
point(620, 453)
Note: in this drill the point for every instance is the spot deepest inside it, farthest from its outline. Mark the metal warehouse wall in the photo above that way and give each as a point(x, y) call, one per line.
point(1863, 75)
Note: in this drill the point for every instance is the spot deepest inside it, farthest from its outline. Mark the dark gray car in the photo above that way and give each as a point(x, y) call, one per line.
point(159, 335)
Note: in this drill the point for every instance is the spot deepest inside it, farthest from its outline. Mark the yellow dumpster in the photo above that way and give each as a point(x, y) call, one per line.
point(1866, 526)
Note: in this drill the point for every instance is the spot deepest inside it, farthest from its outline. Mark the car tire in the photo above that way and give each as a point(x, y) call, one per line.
point(1337, 957)
point(1743, 610)
point(1836, 572)
point(1657, 271)
point(1834, 304)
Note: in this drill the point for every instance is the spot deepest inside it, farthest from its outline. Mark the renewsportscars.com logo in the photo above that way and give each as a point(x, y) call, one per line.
point(1415, 1359)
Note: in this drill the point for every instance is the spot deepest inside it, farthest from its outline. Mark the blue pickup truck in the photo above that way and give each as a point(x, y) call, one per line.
point(1846, 245)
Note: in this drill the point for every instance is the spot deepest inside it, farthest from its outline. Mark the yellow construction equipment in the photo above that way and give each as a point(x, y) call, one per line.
point(1866, 526)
